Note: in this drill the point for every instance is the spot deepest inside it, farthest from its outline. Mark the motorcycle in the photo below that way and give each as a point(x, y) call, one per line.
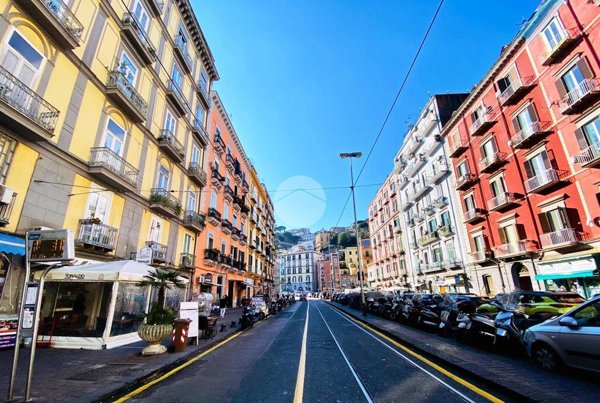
point(511, 325)
point(475, 327)
point(453, 305)
point(248, 318)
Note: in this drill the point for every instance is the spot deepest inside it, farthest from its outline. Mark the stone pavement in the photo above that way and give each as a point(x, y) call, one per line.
point(508, 373)
point(88, 375)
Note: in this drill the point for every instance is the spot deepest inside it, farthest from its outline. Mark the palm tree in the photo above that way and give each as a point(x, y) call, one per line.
point(163, 280)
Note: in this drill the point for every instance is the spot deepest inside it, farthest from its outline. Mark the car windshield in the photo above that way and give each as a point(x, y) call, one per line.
point(570, 298)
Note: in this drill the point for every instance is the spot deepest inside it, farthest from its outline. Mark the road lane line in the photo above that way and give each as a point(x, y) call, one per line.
point(435, 366)
point(299, 391)
point(356, 377)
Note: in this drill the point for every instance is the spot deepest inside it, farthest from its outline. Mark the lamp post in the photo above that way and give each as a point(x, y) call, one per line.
point(360, 274)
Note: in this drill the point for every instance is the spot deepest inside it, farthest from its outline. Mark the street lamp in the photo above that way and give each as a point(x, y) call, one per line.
point(360, 275)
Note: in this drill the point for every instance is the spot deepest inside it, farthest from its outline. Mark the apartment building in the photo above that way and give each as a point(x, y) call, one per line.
point(525, 152)
point(299, 270)
point(102, 126)
point(322, 241)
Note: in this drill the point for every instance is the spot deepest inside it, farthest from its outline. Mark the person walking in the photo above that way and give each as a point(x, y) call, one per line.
point(223, 305)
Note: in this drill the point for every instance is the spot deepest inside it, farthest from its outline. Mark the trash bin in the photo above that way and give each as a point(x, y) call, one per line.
point(180, 334)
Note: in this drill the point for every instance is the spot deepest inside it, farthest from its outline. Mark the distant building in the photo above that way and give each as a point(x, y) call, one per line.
point(298, 271)
point(322, 240)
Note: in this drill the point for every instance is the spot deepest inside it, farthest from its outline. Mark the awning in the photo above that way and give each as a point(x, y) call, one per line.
point(12, 244)
point(122, 270)
point(556, 276)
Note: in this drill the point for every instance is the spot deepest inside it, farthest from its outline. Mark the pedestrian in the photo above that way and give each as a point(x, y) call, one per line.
point(223, 305)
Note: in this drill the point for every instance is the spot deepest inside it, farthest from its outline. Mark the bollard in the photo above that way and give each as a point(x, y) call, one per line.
point(180, 334)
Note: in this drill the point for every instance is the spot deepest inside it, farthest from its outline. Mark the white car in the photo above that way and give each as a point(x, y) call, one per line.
point(572, 339)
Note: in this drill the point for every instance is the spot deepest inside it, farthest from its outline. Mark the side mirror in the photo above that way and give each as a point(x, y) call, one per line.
point(568, 321)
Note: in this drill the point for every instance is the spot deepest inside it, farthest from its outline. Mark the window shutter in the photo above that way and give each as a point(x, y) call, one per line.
point(544, 223)
point(516, 125)
point(521, 233)
point(573, 218)
point(581, 140)
point(532, 113)
point(560, 86)
point(585, 68)
point(528, 169)
point(502, 236)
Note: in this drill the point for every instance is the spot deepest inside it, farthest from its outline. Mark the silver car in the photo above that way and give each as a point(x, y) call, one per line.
point(572, 339)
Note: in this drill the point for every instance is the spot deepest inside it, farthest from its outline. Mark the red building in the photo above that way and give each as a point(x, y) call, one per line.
point(525, 147)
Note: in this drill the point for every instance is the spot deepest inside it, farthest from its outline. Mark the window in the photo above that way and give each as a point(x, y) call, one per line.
point(225, 210)
point(200, 114)
point(489, 148)
point(163, 178)
point(553, 34)
point(437, 255)
point(508, 234)
point(498, 186)
point(191, 201)
point(155, 229)
point(128, 69)
point(525, 119)
point(462, 168)
point(114, 137)
point(588, 316)
point(203, 80)
point(432, 225)
point(572, 78)
point(308, 279)
point(7, 151)
point(98, 205)
point(479, 243)
point(572, 85)
point(195, 159)
point(177, 76)
point(187, 243)
point(558, 219)
point(537, 165)
point(170, 122)
point(488, 283)
point(210, 243)
point(234, 220)
point(470, 203)
point(223, 247)
point(450, 251)
point(213, 200)
point(22, 59)
point(589, 134)
point(141, 16)
point(445, 218)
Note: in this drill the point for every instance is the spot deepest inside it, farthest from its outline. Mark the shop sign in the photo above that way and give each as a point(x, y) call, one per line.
point(8, 332)
point(572, 266)
point(51, 246)
point(144, 255)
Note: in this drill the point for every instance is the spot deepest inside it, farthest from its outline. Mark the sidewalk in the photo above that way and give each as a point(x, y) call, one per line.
point(87, 375)
point(510, 374)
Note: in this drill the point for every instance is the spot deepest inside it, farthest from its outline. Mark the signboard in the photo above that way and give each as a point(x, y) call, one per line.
point(571, 266)
point(144, 255)
point(31, 296)
point(8, 331)
point(51, 246)
point(189, 310)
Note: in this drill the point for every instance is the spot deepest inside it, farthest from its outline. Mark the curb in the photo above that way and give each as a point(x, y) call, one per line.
point(438, 360)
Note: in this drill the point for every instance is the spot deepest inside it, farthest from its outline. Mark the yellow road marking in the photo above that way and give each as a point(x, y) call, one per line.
point(450, 375)
point(175, 370)
point(299, 392)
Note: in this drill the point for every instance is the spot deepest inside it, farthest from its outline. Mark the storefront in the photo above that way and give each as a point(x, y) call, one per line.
point(96, 306)
point(579, 274)
point(12, 277)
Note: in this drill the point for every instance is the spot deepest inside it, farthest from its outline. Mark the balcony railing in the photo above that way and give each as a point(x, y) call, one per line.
point(480, 256)
point(530, 134)
point(428, 238)
point(213, 216)
point(165, 202)
point(200, 132)
point(103, 158)
point(193, 220)
point(589, 157)
point(419, 191)
point(159, 251)
point(26, 102)
point(484, 122)
point(544, 179)
point(176, 97)
point(440, 202)
point(182, 52)
point(560, 238)
point(516, 90)
point(583, 95)
point(124, 93)
point(202, 87)
point(465, 181)
point(97, 235)
point(474, 215)
point(502, 201)
point(458, 144)
point(445, 230)
point(188, 260)
point(511, 250)
point(569, 37)
point(169, 143)
point(211, 255)
point(197, 173)
point(6, 210)
point(491, 162)
point(416, 163)
point(58, 20)
point(414, 144)
point(218, 144)
point(138, 38)
point(439, 171)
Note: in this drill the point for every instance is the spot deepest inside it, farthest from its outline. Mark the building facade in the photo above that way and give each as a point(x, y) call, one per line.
point(299, 270)
point(322, 241)
point(524, 147)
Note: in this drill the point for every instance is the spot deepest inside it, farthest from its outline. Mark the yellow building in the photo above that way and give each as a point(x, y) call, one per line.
point(102, 124)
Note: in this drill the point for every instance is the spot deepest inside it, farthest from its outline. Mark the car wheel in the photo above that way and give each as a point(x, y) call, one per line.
point(419, 321)
point(393, 316)
point(546, 358)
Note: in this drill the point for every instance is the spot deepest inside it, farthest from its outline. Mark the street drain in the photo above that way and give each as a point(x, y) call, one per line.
point(102, 372)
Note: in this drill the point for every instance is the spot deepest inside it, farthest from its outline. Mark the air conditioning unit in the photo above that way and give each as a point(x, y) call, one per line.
point(41, 228)
point(6, 195)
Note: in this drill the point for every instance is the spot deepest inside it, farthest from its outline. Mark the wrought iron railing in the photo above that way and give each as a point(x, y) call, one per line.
point(588, 155)
point(181, 45)
point(490, 160)
point(195, 169)
point(159, 251)
point(193, 217)
point(25, 101)
point(188, 260)
point(214, 213)
point(513, 248)
point(117, 80)
point(165, 198)
point(582, 89)
point(528, 131)
point(501, 200)
point(562, 236)
point(167, 137)
point(211, 254)
point(544, 178)
point(96, 234)
point(106, 158)
point(129, 19)
point(65, 16)
point(480, 255)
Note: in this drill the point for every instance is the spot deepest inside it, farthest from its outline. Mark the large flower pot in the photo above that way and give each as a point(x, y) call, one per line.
point(153, 335)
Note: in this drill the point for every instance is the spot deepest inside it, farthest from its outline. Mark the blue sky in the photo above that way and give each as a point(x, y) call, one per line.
point(306, 80)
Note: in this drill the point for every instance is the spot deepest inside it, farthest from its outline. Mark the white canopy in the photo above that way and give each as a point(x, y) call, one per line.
point(122, 270)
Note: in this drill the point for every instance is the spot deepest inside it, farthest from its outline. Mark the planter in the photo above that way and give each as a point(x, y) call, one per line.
point(153, 335)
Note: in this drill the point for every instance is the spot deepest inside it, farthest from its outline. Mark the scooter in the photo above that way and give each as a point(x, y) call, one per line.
point(475, 327)
point(248, 317)
point(511, 325)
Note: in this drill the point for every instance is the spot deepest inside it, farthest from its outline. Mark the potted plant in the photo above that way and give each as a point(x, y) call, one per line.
point(158, 322)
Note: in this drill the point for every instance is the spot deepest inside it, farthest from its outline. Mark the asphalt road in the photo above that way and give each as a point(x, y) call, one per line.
point(337, 361)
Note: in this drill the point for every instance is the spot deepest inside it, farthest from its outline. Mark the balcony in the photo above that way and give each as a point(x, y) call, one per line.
point(6, 208)
point(159, 251)
point(481, 256)
point(516, 91)
point(578, 99)
point(182, 53)
point(230, 162)
point(216, 179)
point(514, 250)
point(530, 135)
point(560, 239)
point(24, 111)
point(202, 89)
point(170, 145)
point(419, 218)
point(492, 162)
point(96, 236)
point(482, 124)
point(440, 202)
point(57, 19)
point(406, 204)
point(122, 92)
point(163, 202)
point(211, 257)
point(465, 181)
point(431, 144)
point(589, 157)
point(545, 180)
point(428, 238)
point(419, 191)
point(474, 215)
point(193, 221)
point(445, 230)
point(176, 98)
point(570, 38)
point(213, 216)
point(235, 234)
point(112, 169)
point(218, 144)
point(416, 163)
point(410, 221)
point(188, 261)
point(414, 144)
point(226, 226)
point(436, 266)
point(245, 185)
point(197, 174)
point(226, 261)
point(138, 39)
point(502, 202)
point(429, 210)
point(156, 6)
point(199, 133)
point(458, 145)
point(403, 181)
point(228, 193)
point(243, 239)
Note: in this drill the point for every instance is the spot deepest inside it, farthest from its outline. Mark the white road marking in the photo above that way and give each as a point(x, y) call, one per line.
point(463, 396)
point(299, 392)
point(358, 380)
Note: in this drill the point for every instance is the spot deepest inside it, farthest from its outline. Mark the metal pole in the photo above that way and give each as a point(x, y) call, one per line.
point(13, 372)
point(360, 277)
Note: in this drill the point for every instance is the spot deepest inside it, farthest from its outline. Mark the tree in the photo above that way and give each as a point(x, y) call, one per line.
point(163, 280)
point(346, 240)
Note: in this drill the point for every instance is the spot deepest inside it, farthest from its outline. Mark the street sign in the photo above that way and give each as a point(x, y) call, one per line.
point(144, 255)
point(50, 246)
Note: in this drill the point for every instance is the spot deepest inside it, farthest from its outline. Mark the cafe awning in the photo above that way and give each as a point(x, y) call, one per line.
point(122, 270)
point(557, 276)
point(578, 267)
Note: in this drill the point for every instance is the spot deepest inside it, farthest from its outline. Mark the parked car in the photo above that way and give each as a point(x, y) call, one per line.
point(534, 302)
point(572, 339)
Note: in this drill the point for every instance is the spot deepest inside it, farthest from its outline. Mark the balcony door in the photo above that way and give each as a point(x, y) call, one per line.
point(114, 137)
point(589, 135)
point(489, 149)
point(128, 69)
point(192, 201)
point(195, 159)
point(22, 60)
point(170, 122)
point(553, 34)
point(155, 234)
point(141, 16)
point(479, 243)
point(98, 206)
point(525, 119)
point(508, 235)
point(555, 220)
point(470, 203)
point(498, 187)
point(163, 178)
point(537, 165)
